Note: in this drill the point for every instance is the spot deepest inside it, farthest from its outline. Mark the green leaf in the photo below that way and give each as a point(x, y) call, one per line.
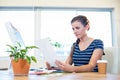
point(28, 59)
point(34, 59)
point(31, 47)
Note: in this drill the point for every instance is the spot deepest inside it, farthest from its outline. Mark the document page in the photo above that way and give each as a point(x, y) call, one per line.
point(47, 50)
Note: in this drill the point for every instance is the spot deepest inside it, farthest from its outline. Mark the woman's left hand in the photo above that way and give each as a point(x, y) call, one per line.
point(64, 66)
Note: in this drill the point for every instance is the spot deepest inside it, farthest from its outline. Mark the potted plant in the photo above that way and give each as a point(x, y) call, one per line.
point(20, 60)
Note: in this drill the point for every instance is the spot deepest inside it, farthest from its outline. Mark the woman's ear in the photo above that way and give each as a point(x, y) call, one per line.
point(87, 27)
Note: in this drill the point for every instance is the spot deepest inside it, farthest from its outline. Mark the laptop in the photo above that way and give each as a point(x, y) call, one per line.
point(14, 34)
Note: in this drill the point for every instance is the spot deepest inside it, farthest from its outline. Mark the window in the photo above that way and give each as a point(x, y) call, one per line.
point(56, 25)
point(100, 25)
point(23, 20)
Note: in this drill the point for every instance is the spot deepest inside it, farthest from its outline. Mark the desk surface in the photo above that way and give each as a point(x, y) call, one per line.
point(5, 75)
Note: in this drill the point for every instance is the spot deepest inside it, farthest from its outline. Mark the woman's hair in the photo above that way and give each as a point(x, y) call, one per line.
point(80, 18)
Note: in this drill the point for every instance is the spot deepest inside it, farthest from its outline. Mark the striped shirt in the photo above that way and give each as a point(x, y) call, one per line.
point(83, 57)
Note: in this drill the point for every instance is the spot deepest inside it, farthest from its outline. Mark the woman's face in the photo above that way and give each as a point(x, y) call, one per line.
point(79, 29)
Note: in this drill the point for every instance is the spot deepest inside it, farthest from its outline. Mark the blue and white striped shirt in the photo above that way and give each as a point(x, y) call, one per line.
point(83, 57)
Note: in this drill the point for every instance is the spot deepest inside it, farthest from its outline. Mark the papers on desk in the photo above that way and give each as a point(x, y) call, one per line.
point(41, 72)
point(48, 51)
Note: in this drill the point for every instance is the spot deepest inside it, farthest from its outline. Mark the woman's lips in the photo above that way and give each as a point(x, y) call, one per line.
point(76, 35)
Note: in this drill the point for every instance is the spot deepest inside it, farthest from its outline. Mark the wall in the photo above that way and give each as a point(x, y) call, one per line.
point(61, 3)
point(81, 4)
point(112, 66)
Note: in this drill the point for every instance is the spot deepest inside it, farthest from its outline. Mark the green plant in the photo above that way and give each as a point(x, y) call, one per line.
point(17, 52)
point(55, 44)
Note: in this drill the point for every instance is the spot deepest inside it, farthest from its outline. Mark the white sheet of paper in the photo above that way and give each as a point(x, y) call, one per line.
point(47, 50)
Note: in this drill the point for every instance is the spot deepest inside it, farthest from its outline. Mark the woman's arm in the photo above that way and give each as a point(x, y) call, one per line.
point(97, 54)
point(69, 60)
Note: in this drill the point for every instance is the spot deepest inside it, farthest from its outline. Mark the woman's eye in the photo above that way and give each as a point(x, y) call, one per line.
point(73, 29)
point(77, 27)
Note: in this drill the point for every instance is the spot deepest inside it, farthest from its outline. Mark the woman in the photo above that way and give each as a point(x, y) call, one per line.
point(86, 50)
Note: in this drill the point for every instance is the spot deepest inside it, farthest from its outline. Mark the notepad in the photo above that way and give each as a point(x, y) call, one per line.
point(48, 51)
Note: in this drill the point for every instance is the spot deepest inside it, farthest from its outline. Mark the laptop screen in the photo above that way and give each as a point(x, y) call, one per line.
point(14, 34)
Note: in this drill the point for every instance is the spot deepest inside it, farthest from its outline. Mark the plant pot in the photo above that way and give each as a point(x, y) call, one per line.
point(21, 67)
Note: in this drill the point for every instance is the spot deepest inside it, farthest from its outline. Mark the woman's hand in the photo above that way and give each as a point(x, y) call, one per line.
point(49, 67)
point(64, 66)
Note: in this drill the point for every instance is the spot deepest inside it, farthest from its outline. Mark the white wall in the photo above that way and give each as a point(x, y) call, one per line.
point(110, 53)
point(115, 4)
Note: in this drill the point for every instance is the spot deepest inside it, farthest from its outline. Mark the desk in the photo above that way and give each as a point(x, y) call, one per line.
point(4, 75)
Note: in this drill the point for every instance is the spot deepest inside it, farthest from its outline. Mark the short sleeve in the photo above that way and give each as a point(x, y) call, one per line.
point(99, 44)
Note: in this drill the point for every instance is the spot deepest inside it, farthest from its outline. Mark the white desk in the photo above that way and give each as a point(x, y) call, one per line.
point(4, 75)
